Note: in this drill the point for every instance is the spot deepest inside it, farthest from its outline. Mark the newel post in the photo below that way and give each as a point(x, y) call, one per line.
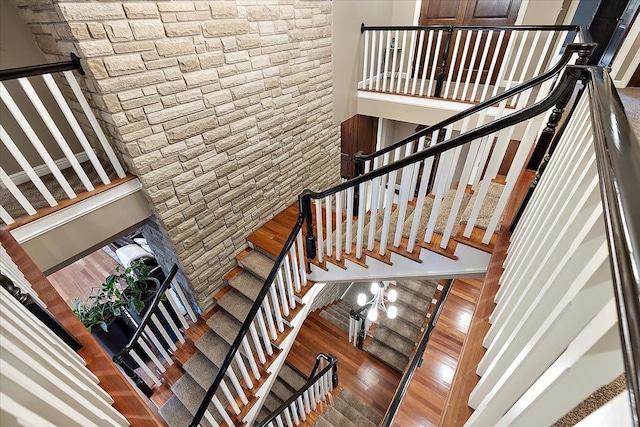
point(305, 209)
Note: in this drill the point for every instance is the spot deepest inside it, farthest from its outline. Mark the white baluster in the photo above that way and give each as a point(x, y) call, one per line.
point(349, 221)
point(319, 241)
point(302, 260)
point(275, 312)
point(415, 80)
point(403, 200)
point(252, 360)
point(163, 332)
point(227, 394)
point(365, 61)
point(303, 413)
point(422, 192)
point(22, 161)
point(256, 343)
point(75, 87)
point(472, 64)
point(55, 132)
point(504, 60)
point(426, 64)
point(145, 368)
point(458, 36)
point(463, 61)
point(393, 63)
point(174, 304)
point(243, 370)
point(483, 58)
point(283, 294)
point(379, 74)
point(416, 169)
point(525, 68)
point(295, 271)
point(221, 410)
point(402, 49)
point(338, 211)
point(412, 46)
point(328, 210)
point(373, 59)
point(236, 385)
point(171, 323)
point(15, 192)
point(264, 333)
point(4, 216)
point(289, 282)
point(374, 211)
point(279, 417)
point(294, 412)
point(156, 342)
point(178, 289)
point(390, 192)
point(385, 76)
point(436, 52)
point(75, 126)
point(152, 355)
point(361, 214)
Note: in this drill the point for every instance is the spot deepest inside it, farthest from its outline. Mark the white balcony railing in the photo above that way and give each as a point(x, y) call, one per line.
point(55, 147)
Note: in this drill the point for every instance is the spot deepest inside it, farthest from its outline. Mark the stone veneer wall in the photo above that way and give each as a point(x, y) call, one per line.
point(223, 109)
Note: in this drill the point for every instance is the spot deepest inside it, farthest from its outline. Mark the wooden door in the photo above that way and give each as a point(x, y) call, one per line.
point(358, 133)
point(474, 13)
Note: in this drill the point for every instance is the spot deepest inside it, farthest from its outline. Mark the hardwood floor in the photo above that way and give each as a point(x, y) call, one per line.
point(424, 400)
point(369, 379)
point(80, 279)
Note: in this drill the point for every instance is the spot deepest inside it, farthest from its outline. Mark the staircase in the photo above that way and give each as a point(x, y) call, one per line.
point(347, 410)
point(233, 305)
point(289, 381)
point(398, 220)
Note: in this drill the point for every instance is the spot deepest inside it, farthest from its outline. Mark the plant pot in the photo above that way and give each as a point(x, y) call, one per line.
point(118, 334)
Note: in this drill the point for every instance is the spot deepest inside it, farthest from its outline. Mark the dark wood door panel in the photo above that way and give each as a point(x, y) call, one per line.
point(357, 134)
point(435, 12)
point(491, 12)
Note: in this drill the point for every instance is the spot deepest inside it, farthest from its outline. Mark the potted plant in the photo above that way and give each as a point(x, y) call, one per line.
point(103, 313)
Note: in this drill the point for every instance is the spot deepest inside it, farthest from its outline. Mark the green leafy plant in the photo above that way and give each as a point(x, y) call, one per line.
point(125, 289)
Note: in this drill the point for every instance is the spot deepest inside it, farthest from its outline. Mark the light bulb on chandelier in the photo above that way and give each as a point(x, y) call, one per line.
point(392, 312)
point(372, 315)
point(362, 300)
point(392, 295)
point(374, 288)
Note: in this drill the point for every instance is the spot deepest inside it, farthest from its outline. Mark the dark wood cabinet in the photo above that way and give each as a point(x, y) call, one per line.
point(357, 134)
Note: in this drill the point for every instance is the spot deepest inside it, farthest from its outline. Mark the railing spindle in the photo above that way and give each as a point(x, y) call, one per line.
point(403, 49)
point(463, 61)
point(472, 64)
point(415, 79)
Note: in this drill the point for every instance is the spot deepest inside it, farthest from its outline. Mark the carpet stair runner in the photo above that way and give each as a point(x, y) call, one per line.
point(347, 410)
point(224, 325)
point(288, 381)
point(464, 212)
point(393, 340)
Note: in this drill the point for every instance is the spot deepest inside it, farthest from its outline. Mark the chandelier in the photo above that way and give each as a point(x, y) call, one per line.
point(379, 301)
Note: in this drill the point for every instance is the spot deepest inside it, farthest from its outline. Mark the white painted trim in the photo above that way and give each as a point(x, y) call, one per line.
point(41, 170)
point(441, 104)
point(63, 216)
point(416, 13)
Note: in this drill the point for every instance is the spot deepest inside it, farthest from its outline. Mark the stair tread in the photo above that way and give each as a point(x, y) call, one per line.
point(352, 413)
point(362, 407)
point(392, 340)
point(272, 402)
point(225, 325)
point(247, 284)
point(292, 377)
point(335, 418)
point(410, 315)
point(488, 206)
point(201, 369)
point(425, 213)
point(445, 210)
point(175, 413)
point(213, 346)
point(401, 327)
point(335, 320)
point(191, 395)
point(281, 389)
point(257, 263)
point(236, 304)
point(421, 288)
point(388, 355)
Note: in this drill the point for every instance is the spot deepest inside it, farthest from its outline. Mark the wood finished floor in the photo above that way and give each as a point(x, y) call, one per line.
point(83, 277)
point(369, 379)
